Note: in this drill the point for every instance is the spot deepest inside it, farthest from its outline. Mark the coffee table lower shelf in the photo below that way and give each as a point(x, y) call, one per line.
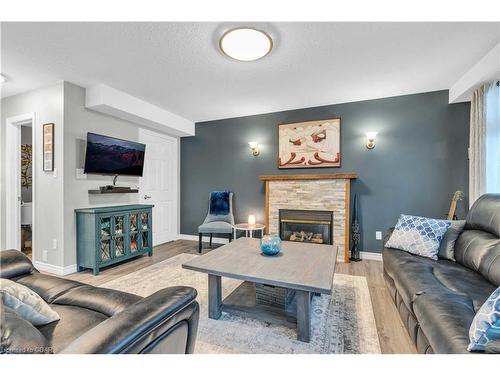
point(242, 301)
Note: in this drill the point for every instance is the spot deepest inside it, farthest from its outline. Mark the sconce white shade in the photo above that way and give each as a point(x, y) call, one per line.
point(255, 148)
point(2, 79)
point(251, 219)
point(371, 139)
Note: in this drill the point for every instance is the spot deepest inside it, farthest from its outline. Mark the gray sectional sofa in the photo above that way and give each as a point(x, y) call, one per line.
point(437, 300)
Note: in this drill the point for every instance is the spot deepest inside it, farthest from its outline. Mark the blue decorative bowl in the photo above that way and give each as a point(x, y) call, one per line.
point(270, 244)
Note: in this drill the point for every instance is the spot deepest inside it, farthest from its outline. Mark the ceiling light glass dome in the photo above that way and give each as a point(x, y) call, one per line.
point(246, 44)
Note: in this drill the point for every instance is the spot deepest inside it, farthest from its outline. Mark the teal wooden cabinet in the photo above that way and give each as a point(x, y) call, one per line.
point(109, 235)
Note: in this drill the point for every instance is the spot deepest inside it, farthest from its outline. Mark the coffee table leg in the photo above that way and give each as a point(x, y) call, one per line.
point(303, 315)
point(214, 296)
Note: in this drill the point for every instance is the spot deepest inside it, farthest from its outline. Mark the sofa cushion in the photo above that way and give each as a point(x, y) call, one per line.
point(26, 303)
point(46, 286)
point(74, 322)
point(18, 336)
point(106, 301)
point(414, 275)
point(444, 319)
point(484, 215)
point(479, 251)
point(15, 263)
point(215, 227)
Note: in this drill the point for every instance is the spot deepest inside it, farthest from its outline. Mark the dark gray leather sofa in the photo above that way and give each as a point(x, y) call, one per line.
point(98, 320)
point(437, 300)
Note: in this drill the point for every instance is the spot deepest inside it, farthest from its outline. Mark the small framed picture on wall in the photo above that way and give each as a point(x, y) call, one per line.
point(48, 147)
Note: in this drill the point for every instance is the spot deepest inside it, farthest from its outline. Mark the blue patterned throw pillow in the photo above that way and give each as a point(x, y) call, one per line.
point(418, 235)
point(486, 324)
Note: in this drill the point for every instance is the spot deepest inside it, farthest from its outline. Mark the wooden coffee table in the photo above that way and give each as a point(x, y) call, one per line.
point(303, 267)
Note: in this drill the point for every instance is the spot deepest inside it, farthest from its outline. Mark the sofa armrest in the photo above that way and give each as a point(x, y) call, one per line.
point(493, 347)
point(164, 322)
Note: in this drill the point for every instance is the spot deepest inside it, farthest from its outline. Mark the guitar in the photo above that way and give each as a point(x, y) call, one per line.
point(453, 206)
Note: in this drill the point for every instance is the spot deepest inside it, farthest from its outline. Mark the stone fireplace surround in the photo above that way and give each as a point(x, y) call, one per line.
point(329, 192)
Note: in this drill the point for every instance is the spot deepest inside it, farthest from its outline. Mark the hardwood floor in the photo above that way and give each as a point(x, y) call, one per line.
point(392, 335)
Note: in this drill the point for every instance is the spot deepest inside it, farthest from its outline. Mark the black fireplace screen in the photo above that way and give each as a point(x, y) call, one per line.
point(306, 226)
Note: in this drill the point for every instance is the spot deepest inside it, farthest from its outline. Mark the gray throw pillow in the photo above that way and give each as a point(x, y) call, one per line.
point(447, 246)
point(26, 303)
point(18, 336)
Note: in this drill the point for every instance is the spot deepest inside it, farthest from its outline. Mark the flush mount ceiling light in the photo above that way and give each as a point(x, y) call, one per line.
point(245, 44)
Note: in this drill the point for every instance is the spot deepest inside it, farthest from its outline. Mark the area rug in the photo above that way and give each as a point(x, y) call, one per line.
point(341, 323)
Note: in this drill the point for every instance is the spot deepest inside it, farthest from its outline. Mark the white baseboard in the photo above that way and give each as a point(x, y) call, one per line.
point(192, 237)
point(370, 255)
point(56, 270)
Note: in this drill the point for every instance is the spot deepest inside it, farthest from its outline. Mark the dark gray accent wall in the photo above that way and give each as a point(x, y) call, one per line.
point(419, 160)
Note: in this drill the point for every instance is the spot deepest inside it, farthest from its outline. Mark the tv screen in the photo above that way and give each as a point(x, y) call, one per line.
point(108, 155)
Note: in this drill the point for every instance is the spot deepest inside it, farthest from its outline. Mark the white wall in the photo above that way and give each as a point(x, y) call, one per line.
point(58, 194)
point(47, 104)
point(79, 121)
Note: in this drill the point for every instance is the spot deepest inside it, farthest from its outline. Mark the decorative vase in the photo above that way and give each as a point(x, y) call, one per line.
point(270, 244)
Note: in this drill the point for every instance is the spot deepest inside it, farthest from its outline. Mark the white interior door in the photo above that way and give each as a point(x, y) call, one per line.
point(159, 184)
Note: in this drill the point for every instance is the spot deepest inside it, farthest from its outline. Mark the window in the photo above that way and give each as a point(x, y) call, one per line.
point(493, 138)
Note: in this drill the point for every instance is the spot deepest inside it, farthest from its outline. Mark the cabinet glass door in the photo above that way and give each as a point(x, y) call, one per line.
point(145, 228)
point(105, 238)
point(134, 232)
point(119, 236)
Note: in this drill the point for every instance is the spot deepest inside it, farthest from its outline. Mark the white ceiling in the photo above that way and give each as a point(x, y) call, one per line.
point(178, 66)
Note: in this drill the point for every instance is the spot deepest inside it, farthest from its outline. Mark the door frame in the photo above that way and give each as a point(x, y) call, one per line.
point(145, 132)
point(13, 180)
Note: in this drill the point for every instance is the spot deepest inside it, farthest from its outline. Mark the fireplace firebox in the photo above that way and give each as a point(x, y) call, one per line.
point(306, 226)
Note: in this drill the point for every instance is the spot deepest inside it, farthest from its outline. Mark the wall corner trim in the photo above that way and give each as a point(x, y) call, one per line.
point(55, 270)
point(113, 102)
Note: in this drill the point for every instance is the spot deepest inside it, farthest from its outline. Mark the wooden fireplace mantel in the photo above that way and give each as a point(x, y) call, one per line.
point(322, 176)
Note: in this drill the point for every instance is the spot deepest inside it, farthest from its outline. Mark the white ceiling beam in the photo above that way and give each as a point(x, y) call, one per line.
point(486, 70)
point(113, 102)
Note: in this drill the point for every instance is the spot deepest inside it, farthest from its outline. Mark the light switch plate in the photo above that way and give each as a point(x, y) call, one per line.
point(378, 235)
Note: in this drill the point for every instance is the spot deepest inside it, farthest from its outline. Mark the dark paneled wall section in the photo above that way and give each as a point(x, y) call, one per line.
point(419, 160)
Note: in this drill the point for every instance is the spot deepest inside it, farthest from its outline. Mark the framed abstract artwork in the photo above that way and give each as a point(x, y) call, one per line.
point(48, 147)
point(310, 144)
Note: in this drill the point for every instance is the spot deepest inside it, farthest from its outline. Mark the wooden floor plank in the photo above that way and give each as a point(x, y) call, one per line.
point(392, 335)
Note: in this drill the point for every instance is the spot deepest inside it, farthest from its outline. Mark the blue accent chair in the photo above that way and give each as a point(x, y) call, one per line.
point(219, 219)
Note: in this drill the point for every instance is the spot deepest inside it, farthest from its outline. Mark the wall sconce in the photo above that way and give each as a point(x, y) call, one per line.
point(255, 148)
point(251, 219)
point(371, 140)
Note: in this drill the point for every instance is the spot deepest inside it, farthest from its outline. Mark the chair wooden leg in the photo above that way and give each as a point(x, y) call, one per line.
point(230, 237)
point(200, 238)
point(210, 240)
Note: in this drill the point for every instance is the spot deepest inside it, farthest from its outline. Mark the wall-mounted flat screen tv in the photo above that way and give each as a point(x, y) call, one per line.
point(108, 155)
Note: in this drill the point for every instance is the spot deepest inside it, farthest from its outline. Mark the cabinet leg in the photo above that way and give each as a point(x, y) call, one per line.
point(96, 271)
point(150, 253)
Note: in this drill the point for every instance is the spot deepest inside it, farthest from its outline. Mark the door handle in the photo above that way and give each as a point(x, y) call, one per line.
point(147, 197)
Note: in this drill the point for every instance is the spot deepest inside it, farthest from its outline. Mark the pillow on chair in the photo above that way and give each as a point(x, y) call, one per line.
point(418, 235)
point(219, 203)
point(220, 207)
